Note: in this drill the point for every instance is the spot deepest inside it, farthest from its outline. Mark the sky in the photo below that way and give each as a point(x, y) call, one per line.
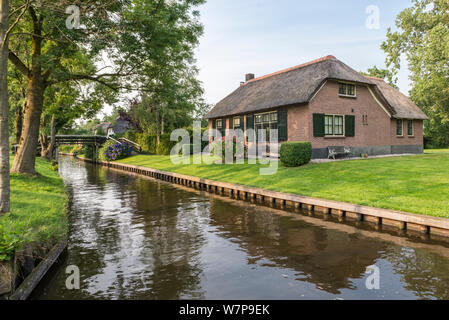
point(264, 36)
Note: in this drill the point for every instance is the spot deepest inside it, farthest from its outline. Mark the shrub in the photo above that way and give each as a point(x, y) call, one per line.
point(149, 142)
point(88, 151)
point(116, 151)
point(13, 236)
point(295, 154)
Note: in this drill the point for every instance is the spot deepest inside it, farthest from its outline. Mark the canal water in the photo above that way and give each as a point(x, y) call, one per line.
point(133, 237)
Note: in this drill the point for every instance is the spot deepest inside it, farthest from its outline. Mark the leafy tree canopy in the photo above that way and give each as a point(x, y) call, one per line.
point(422, 37)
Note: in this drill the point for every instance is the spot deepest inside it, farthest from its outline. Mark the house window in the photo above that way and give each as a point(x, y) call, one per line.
point(236, 123)
point(399, 128)
point(365, 120)
point(334, 125)
point(329, 125)
point(347, 90)
point(219, 124)
point(410, 127)
point(266, 121)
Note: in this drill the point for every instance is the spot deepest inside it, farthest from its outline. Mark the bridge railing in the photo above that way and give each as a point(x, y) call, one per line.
point(136, 146)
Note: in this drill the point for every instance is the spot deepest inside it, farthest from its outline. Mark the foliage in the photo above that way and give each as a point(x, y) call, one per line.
point(70, 149)
point(405, 183)
point(422, 36)
point(115, 151)
point(385, 74)
point(12, 237)
point(144, 45)
point(149, 142)
point(88, 151)
point(165, 146)
point(295, 154)
point(38, 205)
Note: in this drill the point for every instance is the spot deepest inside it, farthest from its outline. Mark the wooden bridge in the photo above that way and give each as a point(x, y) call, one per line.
point(80, 139)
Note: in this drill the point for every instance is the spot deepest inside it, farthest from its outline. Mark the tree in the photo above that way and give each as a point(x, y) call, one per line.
point(384, 74)
point(116, 40)
point(56, 115)
point(48, 53)
point(423, 37)
point(4, 109)
point(17, 102)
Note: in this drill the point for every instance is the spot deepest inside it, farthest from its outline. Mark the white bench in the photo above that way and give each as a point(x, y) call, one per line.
point(337, 151)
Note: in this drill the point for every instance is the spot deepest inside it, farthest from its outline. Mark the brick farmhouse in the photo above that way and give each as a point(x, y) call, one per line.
point(327, 103)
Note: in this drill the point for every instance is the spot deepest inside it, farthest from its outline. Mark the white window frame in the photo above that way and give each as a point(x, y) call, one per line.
point(333, 135)
point(402, 125)
point(216, 124)
point(269, 117)
point(347, 95)
point(413, 127)
point(233, 122)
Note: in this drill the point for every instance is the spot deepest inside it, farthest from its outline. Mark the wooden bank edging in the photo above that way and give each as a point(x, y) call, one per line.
point(403, 220)
point(33, 279)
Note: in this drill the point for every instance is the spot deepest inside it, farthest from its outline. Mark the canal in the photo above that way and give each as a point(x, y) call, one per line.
point(134, 237)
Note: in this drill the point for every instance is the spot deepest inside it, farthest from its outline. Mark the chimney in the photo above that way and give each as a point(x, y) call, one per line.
point(249, 76)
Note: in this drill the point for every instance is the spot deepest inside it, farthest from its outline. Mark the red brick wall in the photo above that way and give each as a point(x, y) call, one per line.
point(380, 130)
point(299, 122)
point(376, 133)
point(406, 140)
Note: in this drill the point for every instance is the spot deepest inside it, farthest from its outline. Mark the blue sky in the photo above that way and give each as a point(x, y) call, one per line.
point(264, 36)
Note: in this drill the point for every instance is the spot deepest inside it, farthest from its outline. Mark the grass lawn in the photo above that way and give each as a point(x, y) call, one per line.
point(417, 184)
point(39, 203)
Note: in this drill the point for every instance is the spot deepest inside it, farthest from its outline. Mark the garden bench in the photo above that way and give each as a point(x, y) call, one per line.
point(337, 151)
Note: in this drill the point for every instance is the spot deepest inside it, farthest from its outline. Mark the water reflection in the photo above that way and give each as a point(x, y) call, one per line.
point(135, 238)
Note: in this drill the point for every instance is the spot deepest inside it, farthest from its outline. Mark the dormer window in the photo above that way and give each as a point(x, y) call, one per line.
point(347, 89)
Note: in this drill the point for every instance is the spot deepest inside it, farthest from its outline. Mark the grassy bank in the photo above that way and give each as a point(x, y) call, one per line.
point(417, 184)
point(38, 209)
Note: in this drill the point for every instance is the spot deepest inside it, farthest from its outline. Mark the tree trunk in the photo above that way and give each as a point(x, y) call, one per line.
point(43, 138)
point(4, 110)
point(50, 150)
point(19, 122)
point(26, 154)
point(44, 144)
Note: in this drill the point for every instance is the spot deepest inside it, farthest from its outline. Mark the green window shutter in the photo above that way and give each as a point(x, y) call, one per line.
point(318, 125)
point(350, 126)
point(223, 128)
point(242, 122)
point(282, 125)
point(231, 123)
point(250, 125)
point(214, 124)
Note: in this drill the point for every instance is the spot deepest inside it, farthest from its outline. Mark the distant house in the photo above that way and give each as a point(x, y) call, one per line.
point(102, 128)
point(121, 126)
point(327, 103)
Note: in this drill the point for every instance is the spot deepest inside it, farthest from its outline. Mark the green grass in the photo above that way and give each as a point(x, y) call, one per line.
point(417, 184)
point(39, 203)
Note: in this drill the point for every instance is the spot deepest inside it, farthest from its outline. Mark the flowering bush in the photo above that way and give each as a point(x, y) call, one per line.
point(117, 151)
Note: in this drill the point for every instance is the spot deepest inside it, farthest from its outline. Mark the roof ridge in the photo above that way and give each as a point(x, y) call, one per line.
point(376, 78)
point(329, 57)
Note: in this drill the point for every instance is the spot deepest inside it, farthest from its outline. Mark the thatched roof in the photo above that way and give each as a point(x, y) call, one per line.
point(400, 105)
point(290, 86)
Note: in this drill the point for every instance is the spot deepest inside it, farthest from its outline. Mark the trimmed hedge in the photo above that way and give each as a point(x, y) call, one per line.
point(295, 154)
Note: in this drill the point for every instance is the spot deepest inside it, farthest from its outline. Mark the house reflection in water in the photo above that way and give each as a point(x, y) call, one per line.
point(328, 258)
